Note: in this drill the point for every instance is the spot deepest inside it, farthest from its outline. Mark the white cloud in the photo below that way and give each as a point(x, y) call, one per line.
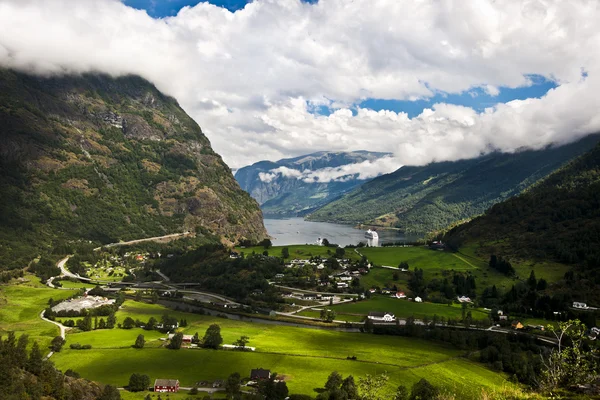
point(246, 77)
point(363, 170)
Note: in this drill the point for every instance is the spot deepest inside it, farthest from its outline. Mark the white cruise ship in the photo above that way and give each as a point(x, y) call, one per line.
point(371, 234)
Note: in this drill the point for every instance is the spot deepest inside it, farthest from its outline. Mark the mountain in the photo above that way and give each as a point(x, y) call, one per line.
point(432, 197)
point(279, 191)
point(558, 218)
point(91, 157)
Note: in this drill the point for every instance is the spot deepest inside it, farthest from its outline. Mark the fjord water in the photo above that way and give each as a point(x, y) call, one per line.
point(288, 231)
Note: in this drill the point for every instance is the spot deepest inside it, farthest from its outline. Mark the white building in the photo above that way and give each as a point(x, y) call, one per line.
point(418, 299)
point(381, 316)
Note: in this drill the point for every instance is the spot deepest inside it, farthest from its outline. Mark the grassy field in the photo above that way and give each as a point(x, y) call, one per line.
point(403, 308)
point(182, 395)
point(304, 251)
point(20, 307)
point(305, 356)
point(433, 263)
point(548, 270)
point(76, 285)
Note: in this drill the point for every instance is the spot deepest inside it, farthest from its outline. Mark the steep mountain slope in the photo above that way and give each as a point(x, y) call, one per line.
point(559, 218)
point(280, 192)
point(106, 159)
point(431, 197)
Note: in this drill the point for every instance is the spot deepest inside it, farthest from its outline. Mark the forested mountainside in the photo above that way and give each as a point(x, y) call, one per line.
point(432, 197)
point(104, 159)
point(286, 195)
point(559, 218)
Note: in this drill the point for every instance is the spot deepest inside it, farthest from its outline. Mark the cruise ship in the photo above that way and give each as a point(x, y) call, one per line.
point(371, 234)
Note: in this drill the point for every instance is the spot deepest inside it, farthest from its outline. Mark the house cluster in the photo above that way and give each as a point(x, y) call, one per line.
point(172, 385)
point(309, 296)
point(339, 280)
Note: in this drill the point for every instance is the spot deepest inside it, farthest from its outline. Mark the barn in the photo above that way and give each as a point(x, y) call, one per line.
point(166, 385)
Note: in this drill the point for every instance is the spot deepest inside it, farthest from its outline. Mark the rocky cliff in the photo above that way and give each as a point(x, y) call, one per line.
point(106, 159)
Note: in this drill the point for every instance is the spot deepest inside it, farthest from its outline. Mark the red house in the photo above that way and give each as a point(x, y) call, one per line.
point(166, 385)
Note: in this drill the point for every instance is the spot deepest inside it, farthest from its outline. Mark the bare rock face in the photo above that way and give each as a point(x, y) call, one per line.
point(79, 155)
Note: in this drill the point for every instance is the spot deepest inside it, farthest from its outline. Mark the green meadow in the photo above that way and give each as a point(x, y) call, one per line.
point(20, 308)
point(433, 263)
point(301, 252)
point(403, 308)
point(304, 356)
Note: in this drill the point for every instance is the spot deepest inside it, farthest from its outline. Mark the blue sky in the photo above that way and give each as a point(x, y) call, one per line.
point(166, 8)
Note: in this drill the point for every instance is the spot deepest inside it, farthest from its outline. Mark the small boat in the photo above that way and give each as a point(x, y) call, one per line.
point(371, 234)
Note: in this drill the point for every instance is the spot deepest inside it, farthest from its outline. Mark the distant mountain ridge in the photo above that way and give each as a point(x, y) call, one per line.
point(91, 157)
point(434, 196)
point(285, 187)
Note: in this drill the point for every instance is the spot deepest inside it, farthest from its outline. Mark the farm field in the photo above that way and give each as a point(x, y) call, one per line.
point(433, 263)
point(76, 285)
point(403, 308)
point(339, 316)
point(20, 308)
point(303, 374)
point(548, 270)
point(305, 356)
point(304, 251)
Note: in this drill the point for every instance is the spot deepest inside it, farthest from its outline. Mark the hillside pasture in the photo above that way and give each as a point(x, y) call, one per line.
point(20, 308)
point(403, 308)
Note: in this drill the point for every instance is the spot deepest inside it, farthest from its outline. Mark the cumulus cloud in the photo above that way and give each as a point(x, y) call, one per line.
point(251, 78)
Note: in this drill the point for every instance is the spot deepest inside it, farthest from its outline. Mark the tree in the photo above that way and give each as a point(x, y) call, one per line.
point(266, 243)
point(176, 341)
point(139, 342)
point(401, 393)
point(110, 393)
point(111, 321)
point(423, 390)
point(403, 265)
point(334, 381)
point(272, 390)
point(34, 363)
point(285, 252)
point(569, 364)
point(325, 242)
point(57, 343)
point(242, 342)
point(328, 315)
point(154, 297)
point(128, 323)
point(150, 324)
point(138, 382)
point(232, 385)
point(349, 387)
point(531, 281)
point(212, 337)
point(371, 386)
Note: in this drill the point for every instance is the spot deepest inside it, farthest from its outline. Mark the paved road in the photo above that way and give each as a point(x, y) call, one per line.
point(172, 235)
point(314, 292)
point(63, 330)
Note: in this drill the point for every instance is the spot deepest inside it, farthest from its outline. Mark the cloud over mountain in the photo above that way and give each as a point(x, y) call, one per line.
point(253, 78)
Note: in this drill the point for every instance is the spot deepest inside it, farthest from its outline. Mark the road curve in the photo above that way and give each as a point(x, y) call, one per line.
point(63, 330)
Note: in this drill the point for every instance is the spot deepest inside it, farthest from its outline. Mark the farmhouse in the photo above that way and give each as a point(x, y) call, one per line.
point(166, 385)
point(341, 285)
point(260, 374)
point(400, 295)
point(579, 305)
point(186, 338)
point(381, 316)
point(464, 299)
point(517, 325)
point(418, 299)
